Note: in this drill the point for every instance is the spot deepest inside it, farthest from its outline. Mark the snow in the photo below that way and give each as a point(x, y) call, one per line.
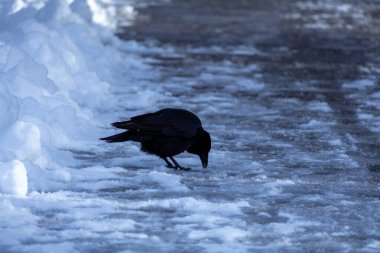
point(60, 69)
point(324, 15)
point(53, 85)
point(64, 77)
point(166, 180)
point(13, 178)
point(22, 141)
point(360, 84)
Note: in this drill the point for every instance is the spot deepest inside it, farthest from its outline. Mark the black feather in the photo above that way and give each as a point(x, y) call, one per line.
point(166, 133)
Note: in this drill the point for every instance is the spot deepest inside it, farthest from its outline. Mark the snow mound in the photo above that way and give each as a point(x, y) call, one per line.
point(54, 81)
point(13, 178)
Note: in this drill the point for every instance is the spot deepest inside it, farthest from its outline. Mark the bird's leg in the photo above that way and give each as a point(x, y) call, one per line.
point(177, 166)
point(168, 164)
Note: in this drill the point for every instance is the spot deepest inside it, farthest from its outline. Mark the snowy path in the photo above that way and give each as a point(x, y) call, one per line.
point(293, 110)
point(294, 114)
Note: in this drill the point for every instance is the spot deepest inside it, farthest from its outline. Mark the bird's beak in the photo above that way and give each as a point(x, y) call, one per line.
point(204, 160)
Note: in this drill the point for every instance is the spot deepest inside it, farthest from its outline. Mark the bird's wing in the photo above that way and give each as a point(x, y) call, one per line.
point(167, 122)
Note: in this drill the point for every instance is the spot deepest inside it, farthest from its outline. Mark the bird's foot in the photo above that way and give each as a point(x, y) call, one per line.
point(176, 165)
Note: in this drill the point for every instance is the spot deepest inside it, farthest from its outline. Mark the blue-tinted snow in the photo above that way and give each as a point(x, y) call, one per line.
point(267, 189)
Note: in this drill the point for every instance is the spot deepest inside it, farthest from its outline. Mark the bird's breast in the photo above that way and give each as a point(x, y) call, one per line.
point(164, 146)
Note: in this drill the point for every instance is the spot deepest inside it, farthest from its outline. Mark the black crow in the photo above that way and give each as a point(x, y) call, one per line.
point(166, 133)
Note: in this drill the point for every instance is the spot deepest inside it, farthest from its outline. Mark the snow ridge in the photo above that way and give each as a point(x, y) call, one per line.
point(53, 84)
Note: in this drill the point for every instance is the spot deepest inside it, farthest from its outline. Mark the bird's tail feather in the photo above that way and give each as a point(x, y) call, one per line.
point(127, 136)
point(124, 125)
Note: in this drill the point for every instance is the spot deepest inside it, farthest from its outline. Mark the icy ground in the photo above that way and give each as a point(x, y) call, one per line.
point(289, 93)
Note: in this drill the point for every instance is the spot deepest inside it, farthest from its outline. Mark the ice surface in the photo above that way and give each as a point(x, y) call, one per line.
point(329, 15)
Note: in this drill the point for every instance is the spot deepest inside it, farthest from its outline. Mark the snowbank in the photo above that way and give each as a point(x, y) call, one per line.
point(13, 178)
point(54, 81)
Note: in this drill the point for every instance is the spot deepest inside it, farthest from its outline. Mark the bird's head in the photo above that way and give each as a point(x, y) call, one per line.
point(201, 146)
